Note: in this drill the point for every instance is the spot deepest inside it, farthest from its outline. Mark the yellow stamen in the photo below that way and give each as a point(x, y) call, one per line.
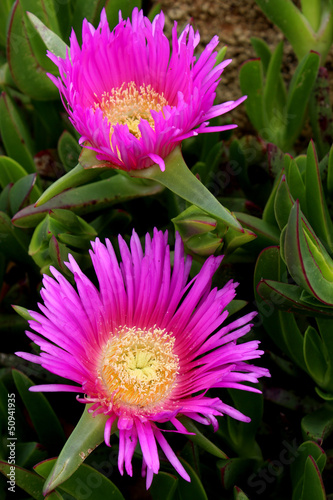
point(139, 367)
point(130, 104)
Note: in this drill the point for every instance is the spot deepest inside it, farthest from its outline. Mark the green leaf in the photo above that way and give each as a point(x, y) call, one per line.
point(194, 489)
point(267, 234)
point(317, 210)
point(318, 425)
point(30, 482)
point(15, 134)
point(24, 43)
point(163, 486)
point(112, 10)
point(5, 6)
point(313, 486)
point(299, 466)
point(86, 482)
point(68, 150)
point(27, 454)
point(233, 470)
point(283, 203)
point(52, 41)
point(320, 112)
point(298, 96)
point(23, 192)
point(10, 171)
point(314, 356)
point(289, 298)
point(308, 262)
point(87, 435)
point(41, 413)
point(251, 83)
point(89, 198)
point(281, 326)
point(239, 494)
point(285, 15)
point(271, 102)
point(179, 179)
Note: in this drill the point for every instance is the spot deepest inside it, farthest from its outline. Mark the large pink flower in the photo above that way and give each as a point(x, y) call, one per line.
point(146, 346)
point(131, 98)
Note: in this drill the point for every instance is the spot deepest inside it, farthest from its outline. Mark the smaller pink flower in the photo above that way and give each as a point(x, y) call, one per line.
point(146, 346)
point(132, 99)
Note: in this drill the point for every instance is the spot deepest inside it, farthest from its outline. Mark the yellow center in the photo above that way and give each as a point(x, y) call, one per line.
point(130, 104)
point(139, 367)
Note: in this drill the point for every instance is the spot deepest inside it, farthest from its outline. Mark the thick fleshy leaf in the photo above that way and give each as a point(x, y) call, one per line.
point(68, 150)
point(89, 198)
point(308, 262)
point(252, 85)
point(234, 470)
point(179, 179)
point(112, 10)
point(164, 486)
point(313, 486)
point(317, 210)
point(283, 203)
point(299, 466)
point(24, 43)
point(272, 105)
point(298, 96)
point(41, 413)
point(318, 425)
point(320, 112)
point(15, 134)
point(315, 356)
point(87, 435)
point(295, 180)
point(241, 435)
point(23, 192)
point(10, 171)
point(28, 454)
point(290, 298)
point(194, 489)
point(14, 242)
point(281, 326)
point(295, 26)
point(239, 494)
point(266, 233)
point(5, 7)
point(52, 41)
point(30, 482)
point(86, 482)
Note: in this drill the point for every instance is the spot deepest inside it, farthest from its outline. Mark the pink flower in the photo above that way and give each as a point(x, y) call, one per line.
point(131, 98)
point(146, 346)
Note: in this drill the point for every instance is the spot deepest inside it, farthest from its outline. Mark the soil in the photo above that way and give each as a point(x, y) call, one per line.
point(235, 22)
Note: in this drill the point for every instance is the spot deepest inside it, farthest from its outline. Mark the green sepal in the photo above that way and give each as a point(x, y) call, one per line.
point(87, 435)
point(179, 179)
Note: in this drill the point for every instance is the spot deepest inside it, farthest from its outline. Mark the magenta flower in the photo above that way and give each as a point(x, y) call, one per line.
point(144, 348)
point(131, 98)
